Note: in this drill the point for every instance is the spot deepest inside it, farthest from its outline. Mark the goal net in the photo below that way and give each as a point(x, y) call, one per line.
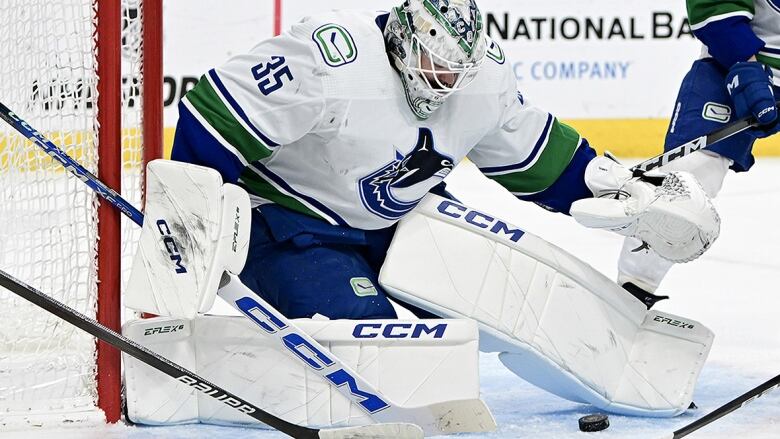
point(82, 73)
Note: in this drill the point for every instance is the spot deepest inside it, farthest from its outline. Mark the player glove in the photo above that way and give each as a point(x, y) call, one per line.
point(671, 213)
point(750, 86)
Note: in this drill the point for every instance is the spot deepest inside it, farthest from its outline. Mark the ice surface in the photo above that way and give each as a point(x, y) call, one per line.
point(733, 289)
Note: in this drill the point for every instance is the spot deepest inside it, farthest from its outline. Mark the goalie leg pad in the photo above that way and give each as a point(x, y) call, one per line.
point(195, 228)
point(557, 322)
point(416, 362)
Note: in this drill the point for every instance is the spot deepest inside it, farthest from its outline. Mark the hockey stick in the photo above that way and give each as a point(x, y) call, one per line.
point(471, 415)
point(702, 142)
point(183, 375)
point(459, 416)
point(70, 165)
point(727, 408)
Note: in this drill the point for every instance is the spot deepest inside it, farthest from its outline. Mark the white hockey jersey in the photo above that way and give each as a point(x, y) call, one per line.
point(316, 120)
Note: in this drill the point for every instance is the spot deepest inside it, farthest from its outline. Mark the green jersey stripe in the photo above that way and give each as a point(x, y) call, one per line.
point(259, 186)
point(558, 151)
point(700, 11)
point(209, 104)
point(771, 61)
point(225, 144)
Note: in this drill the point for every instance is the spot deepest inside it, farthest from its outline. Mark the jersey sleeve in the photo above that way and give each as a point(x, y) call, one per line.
point(533, 154)
point(241, 111)
point(724, 27)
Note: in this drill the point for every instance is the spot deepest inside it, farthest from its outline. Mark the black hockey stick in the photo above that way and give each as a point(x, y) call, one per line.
point(702, 142)
point(727, 408)
point(183, 375)
point(380, 430)
point(154, 360)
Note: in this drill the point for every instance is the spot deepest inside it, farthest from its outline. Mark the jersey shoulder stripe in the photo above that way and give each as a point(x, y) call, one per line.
point(272, 187)
point(210, 106)
point(704, 12)
point(225, 94)
point(521, 166)
point(549, 158)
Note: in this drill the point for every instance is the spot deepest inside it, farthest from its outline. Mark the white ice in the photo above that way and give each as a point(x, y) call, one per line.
point(733, 289)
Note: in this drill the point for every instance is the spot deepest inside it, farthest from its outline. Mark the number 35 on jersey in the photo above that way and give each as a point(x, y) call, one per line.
point(271, 75)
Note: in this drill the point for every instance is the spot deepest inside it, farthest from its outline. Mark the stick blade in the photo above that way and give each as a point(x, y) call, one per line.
point(378, 431)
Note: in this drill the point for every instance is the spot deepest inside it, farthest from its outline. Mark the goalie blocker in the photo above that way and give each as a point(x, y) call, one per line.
point(556, 322)
point(195, 229)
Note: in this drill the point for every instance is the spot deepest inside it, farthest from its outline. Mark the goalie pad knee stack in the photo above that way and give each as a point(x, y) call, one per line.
point(555, 321)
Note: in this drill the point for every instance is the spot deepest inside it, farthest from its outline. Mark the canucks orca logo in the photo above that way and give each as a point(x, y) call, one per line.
point(394, 190)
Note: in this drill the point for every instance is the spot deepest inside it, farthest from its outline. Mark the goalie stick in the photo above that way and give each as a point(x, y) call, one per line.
point(738, 402)
point(469, 415)
point(702, 142)
point(124, 344)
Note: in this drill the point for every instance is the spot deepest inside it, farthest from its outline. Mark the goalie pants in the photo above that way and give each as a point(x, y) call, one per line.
point(700, 106)
point(304, 266)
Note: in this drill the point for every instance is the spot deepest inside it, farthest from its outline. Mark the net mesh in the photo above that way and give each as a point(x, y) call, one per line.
point(48, 233)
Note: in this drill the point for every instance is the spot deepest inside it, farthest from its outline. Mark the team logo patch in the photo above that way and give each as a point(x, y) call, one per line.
point(716, 112)
point(363, 287)
point(336, 44)
point(395, 189)
point(495, 52)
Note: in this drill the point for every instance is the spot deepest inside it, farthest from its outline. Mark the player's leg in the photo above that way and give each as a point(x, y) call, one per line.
point(304, 268)
point(703, 105)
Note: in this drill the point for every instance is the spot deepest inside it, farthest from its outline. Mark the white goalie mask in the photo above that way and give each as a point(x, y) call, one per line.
point(437, 47)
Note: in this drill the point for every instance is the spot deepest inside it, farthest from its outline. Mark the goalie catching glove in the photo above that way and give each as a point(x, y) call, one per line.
point(671, 213)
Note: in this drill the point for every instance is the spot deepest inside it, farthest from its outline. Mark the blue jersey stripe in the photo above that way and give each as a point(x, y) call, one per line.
point(237, 108)
point(193, 143)
point(268, 175)
point(768, 49)
point(531, 157)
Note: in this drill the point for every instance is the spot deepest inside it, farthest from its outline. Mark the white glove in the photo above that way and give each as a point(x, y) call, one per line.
point(674, 216)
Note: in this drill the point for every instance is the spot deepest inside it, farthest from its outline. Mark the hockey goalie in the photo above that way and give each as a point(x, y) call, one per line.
point(307, 190)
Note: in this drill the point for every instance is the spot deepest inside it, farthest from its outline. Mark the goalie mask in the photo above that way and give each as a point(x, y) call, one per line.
point(437, 47)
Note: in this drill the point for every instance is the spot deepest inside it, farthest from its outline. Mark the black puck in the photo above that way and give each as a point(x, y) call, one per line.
point(595, 422)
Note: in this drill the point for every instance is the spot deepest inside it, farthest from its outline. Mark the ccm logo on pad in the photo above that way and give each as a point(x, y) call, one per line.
point(398, 330)
point(479, 219)
point(269, 322)
point(170, 246)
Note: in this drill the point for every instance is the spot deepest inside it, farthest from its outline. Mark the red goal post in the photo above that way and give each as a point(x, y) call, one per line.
point(88, 74)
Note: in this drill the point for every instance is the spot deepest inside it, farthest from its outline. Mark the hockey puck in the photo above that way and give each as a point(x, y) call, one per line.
point(595, 422)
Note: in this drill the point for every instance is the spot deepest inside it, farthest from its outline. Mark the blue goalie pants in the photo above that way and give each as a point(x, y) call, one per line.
point(304, 266)
point(704, 105)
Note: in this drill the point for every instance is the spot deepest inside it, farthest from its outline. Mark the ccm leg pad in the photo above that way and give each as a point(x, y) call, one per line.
point(557, 322)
